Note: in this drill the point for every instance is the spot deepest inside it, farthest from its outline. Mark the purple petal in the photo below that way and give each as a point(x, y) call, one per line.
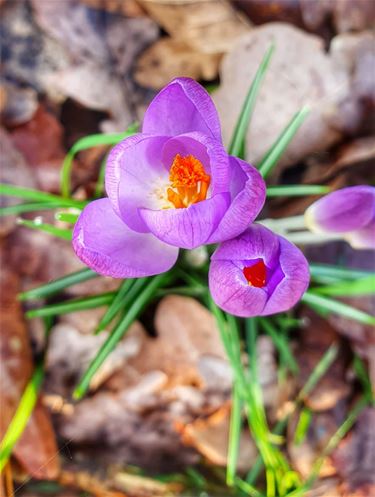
point(294, 283)
point(342, 211)
point(181, 107)
point(135, 171)
point(363, 238)
point(187, 227)
point(248, 193)
point(255, 243)
point(104, 243)
point(231, 292)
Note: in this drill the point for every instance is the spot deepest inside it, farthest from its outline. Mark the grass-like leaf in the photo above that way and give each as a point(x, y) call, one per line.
point(363, 286)
point(282, 345)
point(119, 331)
point(337, 307)
point(237, 144)
point(296, 190)
point(58, 285)
point(28, 207)
point(21, 416)
point(67, 217)
point(39, 196)
point(234, 436)
point(336, 272)
point(85, 143)
point(302, 427)
point(126, 294)
point(272, 157)
point(73, 305)
point(64, 233)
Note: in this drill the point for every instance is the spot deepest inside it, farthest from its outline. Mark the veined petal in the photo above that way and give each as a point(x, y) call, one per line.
point(187, 227)
point(295, 281)
point(254, 243)
point(248, 194)
point(135, 171)
point(342, 211)
point(181, 107)
point(105, 243)
point(363, 238)
point(231, 292)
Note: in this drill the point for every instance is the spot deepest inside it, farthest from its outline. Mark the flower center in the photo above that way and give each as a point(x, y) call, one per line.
point(256, 274)
point(189, 181)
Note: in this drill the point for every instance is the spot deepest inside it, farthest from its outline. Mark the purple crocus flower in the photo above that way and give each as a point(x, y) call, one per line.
point(258, 273)
point(172, 186)
point(349, 211)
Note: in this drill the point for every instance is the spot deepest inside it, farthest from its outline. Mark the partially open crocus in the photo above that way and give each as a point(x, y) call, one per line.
point(171, 186)
point(349, 211)
point(258, 273)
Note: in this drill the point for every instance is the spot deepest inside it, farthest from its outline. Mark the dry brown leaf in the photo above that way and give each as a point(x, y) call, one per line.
point(168, 58)
point(129, 8)
point(140, 486)
point(14, 170)
point(333, 387)
point(36, 450)
point(210, 437)
point(354, 458)
point(211, 27)
point(70, 352)
point(300, 73)
point(17, 105)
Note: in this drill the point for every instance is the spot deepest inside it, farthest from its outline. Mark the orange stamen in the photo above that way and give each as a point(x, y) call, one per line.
point(256, 274)
point(189, 181)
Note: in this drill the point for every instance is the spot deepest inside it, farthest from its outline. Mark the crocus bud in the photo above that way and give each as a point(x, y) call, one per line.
point(349, 211)
point(258, 273)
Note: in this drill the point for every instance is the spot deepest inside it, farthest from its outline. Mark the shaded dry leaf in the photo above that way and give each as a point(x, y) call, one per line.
point(129, 8)
point(347, 15)
point(210, 437)
point(36, 450)
point(168, 58)
point(17, 105)
point(323, 425)
point(300, 73)
point(354, 458)
point(28, 56)
point(88, 483)
point(333, 387)
point(40, 142)
point(102, 49)
point(70, 352)
point(14, 170)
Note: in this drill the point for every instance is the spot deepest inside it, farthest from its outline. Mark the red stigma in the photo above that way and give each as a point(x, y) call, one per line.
point(256, 274)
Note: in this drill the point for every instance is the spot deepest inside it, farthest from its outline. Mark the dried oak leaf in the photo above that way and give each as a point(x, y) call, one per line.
point(354, 459)
point(299, 73)
point(168, 58)
point(209, 436)
point(211, 26)
point(129, 8)
point(36, 450)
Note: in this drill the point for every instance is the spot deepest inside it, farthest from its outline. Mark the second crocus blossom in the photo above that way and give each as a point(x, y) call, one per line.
point(172, 186)
point(349, 211)
point(258, 273)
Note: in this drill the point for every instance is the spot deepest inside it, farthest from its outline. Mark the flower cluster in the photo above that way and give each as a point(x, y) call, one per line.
point(174, 186)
